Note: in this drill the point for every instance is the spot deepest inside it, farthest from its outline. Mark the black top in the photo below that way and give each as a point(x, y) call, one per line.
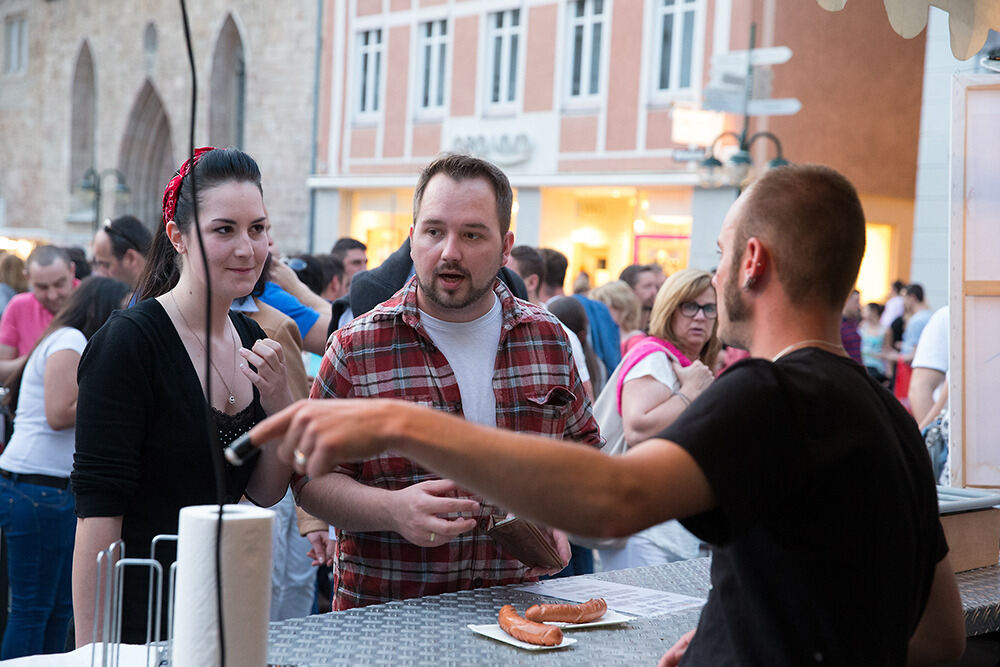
point(826, 532)
point(142, 448)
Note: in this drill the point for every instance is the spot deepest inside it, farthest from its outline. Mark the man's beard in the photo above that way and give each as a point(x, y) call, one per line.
point(453, 302)
point(737, 312)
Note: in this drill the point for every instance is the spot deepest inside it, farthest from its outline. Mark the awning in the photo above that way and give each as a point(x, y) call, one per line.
point(969, 21)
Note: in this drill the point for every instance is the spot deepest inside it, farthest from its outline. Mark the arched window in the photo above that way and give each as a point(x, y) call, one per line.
point(146, 157)
point(83, 117)
point(228, 88)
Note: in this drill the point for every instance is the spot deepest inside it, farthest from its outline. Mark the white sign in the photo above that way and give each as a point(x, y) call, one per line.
point(503, 150)
point(774, 55)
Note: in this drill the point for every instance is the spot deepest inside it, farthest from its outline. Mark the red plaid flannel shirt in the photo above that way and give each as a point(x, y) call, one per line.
point(387, 354)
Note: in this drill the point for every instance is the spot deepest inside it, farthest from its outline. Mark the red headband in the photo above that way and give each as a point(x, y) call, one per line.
point(174, 186)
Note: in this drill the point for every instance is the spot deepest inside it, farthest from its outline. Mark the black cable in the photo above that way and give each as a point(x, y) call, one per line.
point(218, 465)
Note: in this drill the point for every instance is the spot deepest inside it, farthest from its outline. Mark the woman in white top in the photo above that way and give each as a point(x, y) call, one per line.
point(36, 507)
point(660, 377)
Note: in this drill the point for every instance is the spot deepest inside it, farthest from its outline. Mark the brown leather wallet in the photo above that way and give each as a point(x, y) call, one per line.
point(524, 541)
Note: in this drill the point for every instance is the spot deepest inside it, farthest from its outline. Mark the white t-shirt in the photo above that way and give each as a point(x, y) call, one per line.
point(932, 350)
point(658, 366)
point(471, 351)
point(35, 448)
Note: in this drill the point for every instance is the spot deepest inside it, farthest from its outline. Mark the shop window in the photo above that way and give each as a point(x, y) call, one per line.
point(586, 38)
point(369, 71)
point(503, 48)
point(679, 39)
point(433, 57)
point(15, 45)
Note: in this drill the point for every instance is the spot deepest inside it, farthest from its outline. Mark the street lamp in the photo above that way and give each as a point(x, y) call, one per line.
point(91, 182)
point(713, 173)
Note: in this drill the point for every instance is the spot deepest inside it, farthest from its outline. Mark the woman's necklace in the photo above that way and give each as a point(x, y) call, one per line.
point(232, 396)
point(839, 349)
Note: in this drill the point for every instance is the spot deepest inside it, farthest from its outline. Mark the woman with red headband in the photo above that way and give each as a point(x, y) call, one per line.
point(142, 427)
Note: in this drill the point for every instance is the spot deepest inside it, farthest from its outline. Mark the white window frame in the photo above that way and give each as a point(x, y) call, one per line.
point(15, 46)
point(507, 103)
point(433, 76)
point(586, 97)
point(674, 91)
point(369, 89)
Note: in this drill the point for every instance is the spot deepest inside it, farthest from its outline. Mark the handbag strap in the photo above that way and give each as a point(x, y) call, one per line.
point(643, 349)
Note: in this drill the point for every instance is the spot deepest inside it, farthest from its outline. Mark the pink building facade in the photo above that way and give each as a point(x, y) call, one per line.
point(585, 105)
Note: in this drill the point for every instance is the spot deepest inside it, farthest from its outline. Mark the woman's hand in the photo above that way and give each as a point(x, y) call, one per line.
point(270, 379)
point(694, 379)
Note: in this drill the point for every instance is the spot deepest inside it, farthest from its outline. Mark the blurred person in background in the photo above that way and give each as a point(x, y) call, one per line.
point(574, 317)
point(894, 304)
point(872, 336)
point(309, 271)
point(917, 314)
point(657, 381)
point(849, 319)
point(352, 253)
point(81, 267)
point(50, 276)
point(642, 278)
point(12, 279)
point(336, 282)
point(625, 309)
point(36, 506)
point(120, 249)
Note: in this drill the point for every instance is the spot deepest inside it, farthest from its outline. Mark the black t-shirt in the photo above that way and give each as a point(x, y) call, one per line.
point(142, 437)
point(826, 532)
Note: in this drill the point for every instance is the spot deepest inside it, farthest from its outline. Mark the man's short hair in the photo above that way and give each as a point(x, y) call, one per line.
point(331, 266)
point(462, 167)
point(529, 262)
point(916, 290)
point(45, 255)
point(555, 267)
point(811, 220)
point(127, 232)
point(630, 274)
point(898, 286)
point(81, 267)
point(345, 244)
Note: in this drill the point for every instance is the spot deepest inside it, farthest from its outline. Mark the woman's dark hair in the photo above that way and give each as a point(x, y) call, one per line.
point(87, 309)
point(570, 312)
point(265, 276)
point(213, 168)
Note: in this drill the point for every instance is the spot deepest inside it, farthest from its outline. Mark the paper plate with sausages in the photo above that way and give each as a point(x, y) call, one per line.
point(611, 617)
point(493, 631)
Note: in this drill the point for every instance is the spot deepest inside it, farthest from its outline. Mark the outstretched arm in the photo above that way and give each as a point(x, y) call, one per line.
point(560, 484)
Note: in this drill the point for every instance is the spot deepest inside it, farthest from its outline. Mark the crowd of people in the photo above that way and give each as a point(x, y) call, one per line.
point(685, 405)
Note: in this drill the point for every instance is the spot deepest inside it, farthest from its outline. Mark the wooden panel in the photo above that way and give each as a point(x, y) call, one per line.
point(982, 190)
point(982, 386)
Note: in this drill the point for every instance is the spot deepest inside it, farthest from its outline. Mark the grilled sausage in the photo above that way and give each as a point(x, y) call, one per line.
point(519, 627)
point(588, 611)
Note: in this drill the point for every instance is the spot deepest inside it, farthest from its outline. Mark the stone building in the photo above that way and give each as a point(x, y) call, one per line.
point(98, 93)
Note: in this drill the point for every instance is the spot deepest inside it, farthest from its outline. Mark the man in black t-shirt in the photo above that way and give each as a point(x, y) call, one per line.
point(809, 480)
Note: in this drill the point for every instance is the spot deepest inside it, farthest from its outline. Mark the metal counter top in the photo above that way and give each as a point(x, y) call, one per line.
point(432, 630)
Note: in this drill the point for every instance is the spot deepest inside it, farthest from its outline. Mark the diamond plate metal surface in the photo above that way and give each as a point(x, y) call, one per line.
point(432, 630)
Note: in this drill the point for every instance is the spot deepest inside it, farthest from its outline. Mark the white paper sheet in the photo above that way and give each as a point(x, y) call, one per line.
point(622, 597)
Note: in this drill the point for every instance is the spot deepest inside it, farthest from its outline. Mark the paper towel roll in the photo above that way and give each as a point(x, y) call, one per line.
point(246, 586)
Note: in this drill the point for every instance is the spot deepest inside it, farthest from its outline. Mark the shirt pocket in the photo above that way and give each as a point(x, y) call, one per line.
point(545, 412)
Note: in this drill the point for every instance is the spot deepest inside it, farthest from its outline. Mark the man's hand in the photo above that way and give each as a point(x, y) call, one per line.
point(322, 547)
point(672, 658)
point(420, 512)
point(316, 436)
point(561, 543)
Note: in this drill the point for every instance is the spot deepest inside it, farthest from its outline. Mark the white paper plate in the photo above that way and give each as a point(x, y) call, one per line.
point(493, 631)
point(611, 617)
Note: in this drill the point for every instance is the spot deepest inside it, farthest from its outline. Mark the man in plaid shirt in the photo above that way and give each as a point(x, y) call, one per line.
point(456, 339)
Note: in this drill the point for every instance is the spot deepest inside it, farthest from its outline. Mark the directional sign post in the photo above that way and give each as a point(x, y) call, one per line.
point(728, 82)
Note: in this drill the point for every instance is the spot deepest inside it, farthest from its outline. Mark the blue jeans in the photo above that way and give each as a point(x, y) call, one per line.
point(40, 528)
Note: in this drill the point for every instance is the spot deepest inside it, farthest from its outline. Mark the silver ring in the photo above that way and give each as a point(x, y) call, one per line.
point(432, 538)
point(300, 458)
